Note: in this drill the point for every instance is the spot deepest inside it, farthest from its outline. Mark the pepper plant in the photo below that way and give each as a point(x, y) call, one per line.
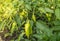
point(30, 20)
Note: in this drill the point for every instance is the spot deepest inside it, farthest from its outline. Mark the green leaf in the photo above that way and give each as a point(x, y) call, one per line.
point(56, 22)
point(49, 10)
point(56, 28)
point(43, 27)
point(57, 13)
point(41, 36)
point(20, 36)
point(17, 19)
point(13, 27)
point(28, 6)
point(42, 10)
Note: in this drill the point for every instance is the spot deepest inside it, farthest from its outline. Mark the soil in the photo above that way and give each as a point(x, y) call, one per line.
point(1, 36)
point(1, 39)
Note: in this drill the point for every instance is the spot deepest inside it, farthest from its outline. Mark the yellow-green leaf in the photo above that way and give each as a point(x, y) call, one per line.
point(28, 29)
point(34, 17)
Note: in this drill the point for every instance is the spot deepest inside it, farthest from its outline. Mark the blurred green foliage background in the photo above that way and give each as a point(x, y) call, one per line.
point(30, 20)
